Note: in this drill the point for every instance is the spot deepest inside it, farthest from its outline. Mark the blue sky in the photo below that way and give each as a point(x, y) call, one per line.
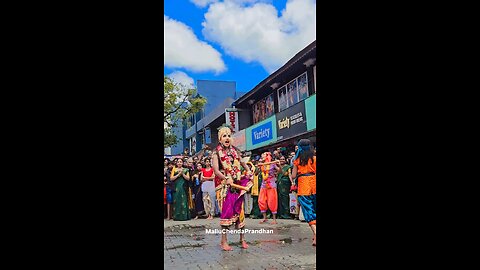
point(234, 40)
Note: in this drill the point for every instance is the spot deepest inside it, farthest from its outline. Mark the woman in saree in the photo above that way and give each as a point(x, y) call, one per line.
point(180, 176)
point(197, 190)
point(255, 191)
point(284, 182)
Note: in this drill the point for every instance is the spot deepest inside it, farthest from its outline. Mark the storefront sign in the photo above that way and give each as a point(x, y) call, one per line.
point(231, 118)
point(310, 111)
point(239, 140)
point(261, 134)
point(291, 121)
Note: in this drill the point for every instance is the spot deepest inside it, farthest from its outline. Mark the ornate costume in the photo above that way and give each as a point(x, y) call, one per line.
point(231, 199)
point(307, 188)
point(267, 198)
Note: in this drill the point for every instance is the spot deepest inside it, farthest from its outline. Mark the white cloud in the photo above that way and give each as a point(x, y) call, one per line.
point(182, 49)
point(181, 77)
point(204, 3)
point(256, 33)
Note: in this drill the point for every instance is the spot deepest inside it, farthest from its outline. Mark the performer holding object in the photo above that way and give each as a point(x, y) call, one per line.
point(268, 191)
point(226, 165)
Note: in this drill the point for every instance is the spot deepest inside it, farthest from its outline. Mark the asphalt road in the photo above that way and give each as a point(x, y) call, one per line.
point(187, 245)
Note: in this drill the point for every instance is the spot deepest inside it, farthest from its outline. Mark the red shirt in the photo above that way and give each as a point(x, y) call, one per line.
point(208, 173)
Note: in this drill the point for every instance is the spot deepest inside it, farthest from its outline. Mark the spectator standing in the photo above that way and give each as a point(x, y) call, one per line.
point(255, 212)
point(180, 176)
point(169, 187)
point(197, 191)
point(190, 185)
point(284, 182)
point(248, 204)
point(208, 189)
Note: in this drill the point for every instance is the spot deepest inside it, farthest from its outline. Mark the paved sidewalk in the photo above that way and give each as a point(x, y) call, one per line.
point(188, 246)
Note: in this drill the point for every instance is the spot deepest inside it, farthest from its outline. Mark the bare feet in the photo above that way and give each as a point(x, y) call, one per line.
point(210, 217)
point(196, 217)
point(226, 247)
point(314, 241)
point(263, 221)
point(273, 222)
point(244, 244)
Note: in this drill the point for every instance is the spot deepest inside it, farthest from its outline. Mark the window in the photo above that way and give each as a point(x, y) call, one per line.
point(282, 99)
point(189, 121)
point(263, 109)
point(292, 93)
point(302, 87)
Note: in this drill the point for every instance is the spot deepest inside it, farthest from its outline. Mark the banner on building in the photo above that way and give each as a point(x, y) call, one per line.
point(239, 140)
point(231, 118)
point(291, 121)
point(261, 134)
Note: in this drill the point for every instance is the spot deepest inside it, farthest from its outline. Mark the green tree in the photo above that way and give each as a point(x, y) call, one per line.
point(180, 102)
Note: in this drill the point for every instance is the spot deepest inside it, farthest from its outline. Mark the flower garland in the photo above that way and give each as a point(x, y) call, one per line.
point(265, 172)
point(265, 175)
point(229, 159)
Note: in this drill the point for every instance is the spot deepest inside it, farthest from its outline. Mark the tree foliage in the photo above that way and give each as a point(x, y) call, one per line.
point(180, 102)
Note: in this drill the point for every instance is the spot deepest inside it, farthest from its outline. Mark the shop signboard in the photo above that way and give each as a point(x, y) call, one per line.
point(291, 121)
point(261, 134)
point(310, 111)
point(239, 140)
point(231, 118)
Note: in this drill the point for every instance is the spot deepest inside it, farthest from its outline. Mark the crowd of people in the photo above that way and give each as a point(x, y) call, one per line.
point(227, 183)
point(190, 187)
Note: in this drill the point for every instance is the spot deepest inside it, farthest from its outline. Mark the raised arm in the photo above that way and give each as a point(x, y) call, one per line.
point(245, 166)
point(279, 169)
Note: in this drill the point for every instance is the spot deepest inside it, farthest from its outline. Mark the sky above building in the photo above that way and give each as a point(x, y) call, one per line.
point(234, 40)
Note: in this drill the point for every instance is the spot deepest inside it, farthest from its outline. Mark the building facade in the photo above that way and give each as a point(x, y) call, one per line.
point(280, 110)
point(201, 128)
point(276, 113)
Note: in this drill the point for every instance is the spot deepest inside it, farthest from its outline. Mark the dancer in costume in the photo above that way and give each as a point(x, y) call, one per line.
point(268, 198)
point(305, 169)
point(226, 165)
